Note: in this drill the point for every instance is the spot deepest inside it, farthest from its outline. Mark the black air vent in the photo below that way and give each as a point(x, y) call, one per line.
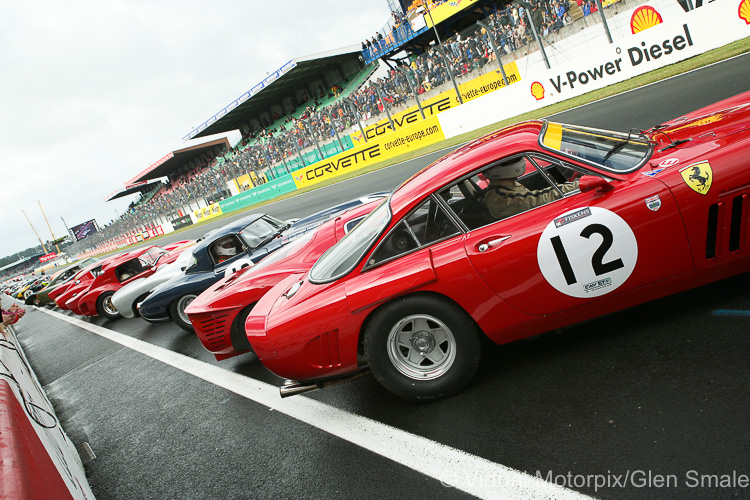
point(712, 231)
point(736, 234)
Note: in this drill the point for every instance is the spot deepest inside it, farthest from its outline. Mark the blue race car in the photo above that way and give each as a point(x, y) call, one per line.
point(220, 252)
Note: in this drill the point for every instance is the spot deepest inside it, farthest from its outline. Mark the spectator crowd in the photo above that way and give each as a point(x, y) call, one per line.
point(269, 151)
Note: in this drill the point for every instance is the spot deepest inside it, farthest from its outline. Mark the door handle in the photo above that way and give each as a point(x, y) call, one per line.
point(492, 243)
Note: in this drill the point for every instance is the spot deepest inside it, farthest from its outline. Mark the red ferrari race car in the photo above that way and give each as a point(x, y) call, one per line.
point(67, 291)
point(218, 314)
point(575, 223)
point(118, 271)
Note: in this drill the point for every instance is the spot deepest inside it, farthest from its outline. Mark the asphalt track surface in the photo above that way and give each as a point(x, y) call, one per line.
point(647, 403)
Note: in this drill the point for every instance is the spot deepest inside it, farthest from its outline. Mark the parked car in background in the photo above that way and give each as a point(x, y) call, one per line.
point(28, 287)
point(127, 298)
point(413, 288)
point(218, 314)
point(96, 300)
point(58, 279)
point(65, 293)
point(238, 244)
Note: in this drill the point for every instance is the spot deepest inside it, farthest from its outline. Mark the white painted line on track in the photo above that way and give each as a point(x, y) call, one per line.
point(452, 467)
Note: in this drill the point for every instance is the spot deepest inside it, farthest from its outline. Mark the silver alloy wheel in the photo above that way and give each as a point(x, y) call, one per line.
point(108, 306)
point(182, 304)
point(421, 347)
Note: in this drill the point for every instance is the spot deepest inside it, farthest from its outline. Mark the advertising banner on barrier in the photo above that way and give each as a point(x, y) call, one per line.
point(489, 82)
point(653, 47)
point(270, 189)
point(208, 212)
point(152, 232)
point(387, 146)
point(182, 222)
point(49, 256)
point(444, 101)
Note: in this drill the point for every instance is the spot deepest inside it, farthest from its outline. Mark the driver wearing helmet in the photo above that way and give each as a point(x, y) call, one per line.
point(225, 249)
point(506, 197)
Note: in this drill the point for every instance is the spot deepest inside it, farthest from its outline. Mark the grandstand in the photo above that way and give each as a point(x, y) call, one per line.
point(311, 107)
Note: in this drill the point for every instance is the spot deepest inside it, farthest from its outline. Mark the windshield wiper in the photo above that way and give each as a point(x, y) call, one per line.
point(618, 146)
point(273, 236)
point(674, 144)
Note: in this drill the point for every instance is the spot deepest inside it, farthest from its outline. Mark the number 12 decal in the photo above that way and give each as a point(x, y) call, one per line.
point(587, 252)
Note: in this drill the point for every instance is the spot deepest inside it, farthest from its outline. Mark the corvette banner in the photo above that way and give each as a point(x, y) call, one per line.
point(444, 101)
point(387, 146)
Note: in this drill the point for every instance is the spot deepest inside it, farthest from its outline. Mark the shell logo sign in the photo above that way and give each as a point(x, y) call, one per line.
point(744, 11)
point(643, 18)
point(537, 90)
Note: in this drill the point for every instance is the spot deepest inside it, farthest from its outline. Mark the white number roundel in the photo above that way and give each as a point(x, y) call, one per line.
point(587, 252)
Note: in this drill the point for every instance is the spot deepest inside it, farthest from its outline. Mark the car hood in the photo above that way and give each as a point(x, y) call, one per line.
point(705, 125)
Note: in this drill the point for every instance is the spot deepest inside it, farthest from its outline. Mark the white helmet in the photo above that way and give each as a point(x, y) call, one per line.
point(226, 247)
point(507, 170)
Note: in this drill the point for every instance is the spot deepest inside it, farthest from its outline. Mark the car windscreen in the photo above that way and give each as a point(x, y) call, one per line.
point(261, 230)
point(344, 255)
point(613, 151)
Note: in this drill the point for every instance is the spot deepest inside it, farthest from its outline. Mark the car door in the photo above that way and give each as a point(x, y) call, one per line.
point(583, 247)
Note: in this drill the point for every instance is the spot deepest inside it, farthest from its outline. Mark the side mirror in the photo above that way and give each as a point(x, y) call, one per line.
point(592, 182)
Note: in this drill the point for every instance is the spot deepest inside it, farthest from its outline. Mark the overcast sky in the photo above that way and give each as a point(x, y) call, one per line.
point(92, 92)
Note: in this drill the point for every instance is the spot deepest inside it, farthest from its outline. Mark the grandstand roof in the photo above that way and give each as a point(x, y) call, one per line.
point(137, 187)
point(174, 160)
point(20, 262)
point(278, 85)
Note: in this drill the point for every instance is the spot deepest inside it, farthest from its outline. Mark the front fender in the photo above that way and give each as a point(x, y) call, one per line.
point(156, 306)
point(87, 303)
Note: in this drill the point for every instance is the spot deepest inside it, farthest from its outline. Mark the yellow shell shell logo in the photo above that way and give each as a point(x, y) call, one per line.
point(643, 18)
point(744, 11)
point(537, 90)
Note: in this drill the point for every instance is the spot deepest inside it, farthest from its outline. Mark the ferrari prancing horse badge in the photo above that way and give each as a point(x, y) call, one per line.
point(698, 177)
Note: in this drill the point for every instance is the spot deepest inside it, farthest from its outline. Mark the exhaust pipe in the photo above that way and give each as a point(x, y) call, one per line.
point(292, 387)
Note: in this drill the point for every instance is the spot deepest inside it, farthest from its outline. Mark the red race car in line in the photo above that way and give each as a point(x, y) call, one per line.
point(218, 314)
point(116, 272)
point(67, 291)
point(575, 223)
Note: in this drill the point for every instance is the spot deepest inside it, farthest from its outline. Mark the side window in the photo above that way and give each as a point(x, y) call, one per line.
point(508, 187)
point(352, 224)
point(225, 248)
point(426, 224)
point(131, 268)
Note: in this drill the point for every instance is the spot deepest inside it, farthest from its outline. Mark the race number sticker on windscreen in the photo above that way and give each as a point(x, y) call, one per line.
point(587, 252)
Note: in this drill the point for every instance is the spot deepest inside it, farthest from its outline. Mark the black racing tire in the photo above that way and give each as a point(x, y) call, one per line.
point(136, 311)
point(177, 312)
point(422, 347)
point(237, 333)
point(105, 307)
